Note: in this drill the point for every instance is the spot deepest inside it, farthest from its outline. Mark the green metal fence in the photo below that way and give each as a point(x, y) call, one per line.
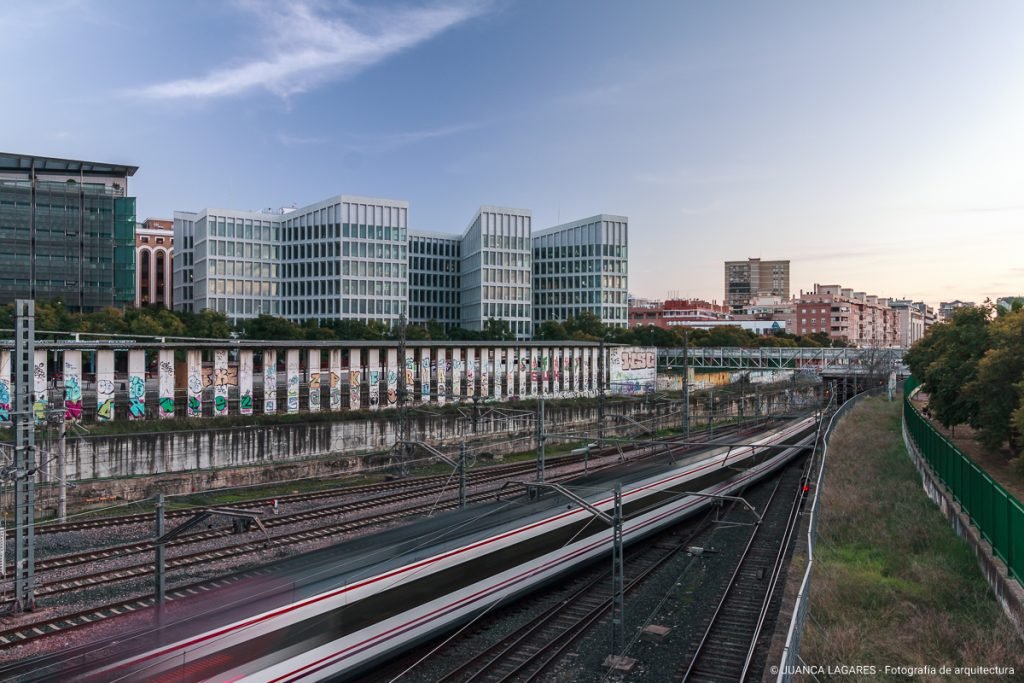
point(998, 516)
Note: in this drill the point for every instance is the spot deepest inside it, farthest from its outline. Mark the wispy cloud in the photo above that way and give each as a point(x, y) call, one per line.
point(710, 175)
point(289, 140)
point(310, 43)
point(388, 142)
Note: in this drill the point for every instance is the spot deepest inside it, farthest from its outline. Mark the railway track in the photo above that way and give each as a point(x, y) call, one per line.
point(727, 652)
point(528, 653)
point(61, 624)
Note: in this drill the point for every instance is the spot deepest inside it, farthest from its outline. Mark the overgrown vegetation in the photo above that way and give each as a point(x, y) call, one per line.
point(973, 370)
point(893, 585)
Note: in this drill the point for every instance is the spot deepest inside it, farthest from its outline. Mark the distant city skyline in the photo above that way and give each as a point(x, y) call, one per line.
point(871, 144)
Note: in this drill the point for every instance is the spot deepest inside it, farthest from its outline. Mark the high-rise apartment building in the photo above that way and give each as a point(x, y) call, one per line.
point(154, 254)
point(745, 280)
point(843, 314)
point(582, 266)
point(68, 231)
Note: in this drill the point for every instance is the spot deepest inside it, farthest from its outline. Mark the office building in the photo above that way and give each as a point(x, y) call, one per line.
point(154, 254)
point(582, 266)
point(340, 258)
point(435, 284)
point(745, 280)
point(67, 228)
point(496, 274)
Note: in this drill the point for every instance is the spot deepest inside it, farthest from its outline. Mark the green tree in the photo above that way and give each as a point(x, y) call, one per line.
point(550, 330)
point(996, 390)
point(586, 324)
point(270, 327)
point(946, 361)
point(435, 330)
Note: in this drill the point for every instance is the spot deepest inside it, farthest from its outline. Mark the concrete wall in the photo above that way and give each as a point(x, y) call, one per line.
point(134, 466)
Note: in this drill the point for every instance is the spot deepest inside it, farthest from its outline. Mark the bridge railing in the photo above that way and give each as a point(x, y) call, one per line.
point(997, 514)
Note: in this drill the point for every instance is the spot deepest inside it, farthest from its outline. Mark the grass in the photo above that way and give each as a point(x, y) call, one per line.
point(893, 585)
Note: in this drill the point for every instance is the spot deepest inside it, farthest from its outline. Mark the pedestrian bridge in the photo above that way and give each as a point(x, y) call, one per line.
point(848, 361)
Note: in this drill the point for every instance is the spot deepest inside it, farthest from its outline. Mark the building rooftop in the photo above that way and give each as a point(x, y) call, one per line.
point(10, 162)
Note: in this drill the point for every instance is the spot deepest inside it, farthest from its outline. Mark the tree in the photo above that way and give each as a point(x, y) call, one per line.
point(587, 324)
point(996, 390)
point(946, 361)
point(270, 327)
point(497, 330)
point(435, 330)
point(550, 330)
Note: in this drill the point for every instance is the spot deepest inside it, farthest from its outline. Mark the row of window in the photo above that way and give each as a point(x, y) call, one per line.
point(580, 251)
point(434, 282)
point(547, 285)
point(434, 265)
point(434, 247)
point(578, 266)
point(327, 307)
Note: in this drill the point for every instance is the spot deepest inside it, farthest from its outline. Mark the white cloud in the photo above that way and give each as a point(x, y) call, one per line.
point(309, 45)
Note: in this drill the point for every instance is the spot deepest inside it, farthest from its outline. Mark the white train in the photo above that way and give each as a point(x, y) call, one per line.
point(376, 605)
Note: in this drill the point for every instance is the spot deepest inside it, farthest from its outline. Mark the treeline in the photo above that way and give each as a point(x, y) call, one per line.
point(972, 367)
point(159, 322)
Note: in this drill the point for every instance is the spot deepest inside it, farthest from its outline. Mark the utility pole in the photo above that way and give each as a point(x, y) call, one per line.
point(540, 438)
point(600, 390)
point(462, 475)
point(686, 385)
point(24, 456)
point(403, 390)
point(711, 414)
point(618, 578)
point(62, 497)
point(161, 580)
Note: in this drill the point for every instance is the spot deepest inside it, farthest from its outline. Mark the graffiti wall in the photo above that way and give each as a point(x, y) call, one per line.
point(374, 378)
point(292, 379)
point(270, 382)
point(392, 370)
point(425, 375)
point(442, 377)
point(220, 382)
point(456, 376)
point(5, 389)
point(245, 382)
point(73, 386)
point(39, 386)
point(313, 365)
point(165, 383)
point(194, 389)
point(470, 373)
point(634, 369)
point(334, 384)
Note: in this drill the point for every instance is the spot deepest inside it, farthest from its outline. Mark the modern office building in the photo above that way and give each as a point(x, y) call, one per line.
point(154, 254)
point(496, 274)
point(435, 284)
point(582, 266)
point(340, 258)
point(745, 280)
point(68, 231)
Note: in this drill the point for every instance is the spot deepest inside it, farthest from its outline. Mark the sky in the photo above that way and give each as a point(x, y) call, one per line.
point(874, 144)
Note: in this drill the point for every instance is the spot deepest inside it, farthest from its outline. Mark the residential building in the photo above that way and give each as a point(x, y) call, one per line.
point(1007, 302)
point(910, 321)
point(582, 266)
point(841, 313)
point(67, 229)
point(496, 279)
point(435, 284)
point(772, 308)
point(745, 280)
point(154, 254)
point(947, 308)
point(676, 312)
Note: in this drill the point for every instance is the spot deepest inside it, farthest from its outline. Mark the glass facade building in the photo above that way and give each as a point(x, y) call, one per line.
point(68, 232)
point(435, 285)
point(582, 266)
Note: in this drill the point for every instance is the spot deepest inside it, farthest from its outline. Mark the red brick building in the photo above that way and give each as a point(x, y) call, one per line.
point(673, 312)
point(154, 258)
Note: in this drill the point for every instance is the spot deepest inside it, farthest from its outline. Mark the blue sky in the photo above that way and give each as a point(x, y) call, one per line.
point(875, 144)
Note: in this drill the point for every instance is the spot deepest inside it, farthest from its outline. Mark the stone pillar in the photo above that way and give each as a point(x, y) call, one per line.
point(373, 377)
point(73, 385)
point(485, 373)
point(220, 382)
point(425, 374)
point(245, 382)
point(392, 375)
point(165, 380)
point(409, 363)
point(292, 378)
point(334, 384)
point(5, 389)
point(313, 373)
point(355, 379)
point(456, 380)
point(269, 381)
point(523, 361)
point(194, 372)
point(470, 373)
point(545, 370)
point(442, 377)
point(137, 384)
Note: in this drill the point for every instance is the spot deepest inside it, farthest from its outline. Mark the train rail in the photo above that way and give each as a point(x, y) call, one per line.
point(727, 651)
point(33, 631)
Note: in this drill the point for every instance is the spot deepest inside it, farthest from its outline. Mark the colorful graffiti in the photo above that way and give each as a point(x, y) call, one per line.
point(392, 386)
point(165, 386)
point(293, 392)
point(5, 401)
point(354, 383)
point(269, 384)
point(195, 393)
point(314, 391)
point(374, 388)
point(136, 397)
point(335, 391)
point(72, 398)
point(105, 397)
